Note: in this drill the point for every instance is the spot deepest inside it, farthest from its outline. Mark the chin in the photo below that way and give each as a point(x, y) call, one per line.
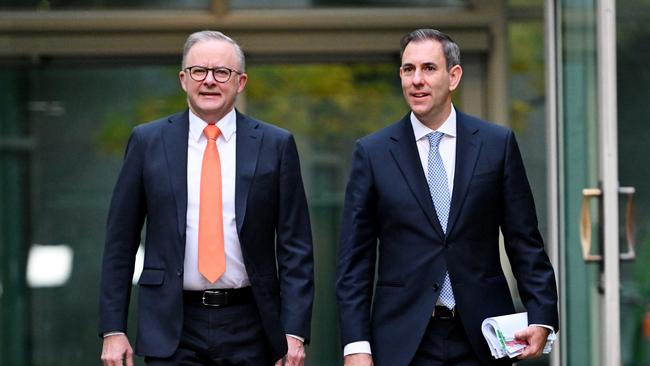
point(210, 107)
point(420, 110)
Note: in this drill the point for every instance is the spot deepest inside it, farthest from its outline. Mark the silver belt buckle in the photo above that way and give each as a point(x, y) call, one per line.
point(214, 292)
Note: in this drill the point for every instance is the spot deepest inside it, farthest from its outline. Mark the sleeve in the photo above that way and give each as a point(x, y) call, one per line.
point(524, 244)
point(294, 246)
point(124, 225)
point(357, 251)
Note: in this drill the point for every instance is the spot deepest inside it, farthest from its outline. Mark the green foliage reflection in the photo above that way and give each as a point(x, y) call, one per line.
point(330, 104)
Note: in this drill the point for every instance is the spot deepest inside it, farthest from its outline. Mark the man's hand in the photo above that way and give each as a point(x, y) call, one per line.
point(117, 350)
point(358, 359)
point(295, 353)
point(535, 336)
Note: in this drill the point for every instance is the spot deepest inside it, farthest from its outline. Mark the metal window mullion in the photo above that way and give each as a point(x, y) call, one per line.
point(607, 122)
point(553, 165)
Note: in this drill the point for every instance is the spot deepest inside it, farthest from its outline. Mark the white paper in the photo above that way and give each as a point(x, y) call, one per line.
point(499, 332)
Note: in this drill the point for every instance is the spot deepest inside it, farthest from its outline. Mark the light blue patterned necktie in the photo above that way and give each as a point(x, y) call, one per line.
point(439, 189)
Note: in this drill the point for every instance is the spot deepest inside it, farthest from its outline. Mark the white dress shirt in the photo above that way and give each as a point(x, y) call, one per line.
point(448, 155)
point(235, 275)
point(447, 145)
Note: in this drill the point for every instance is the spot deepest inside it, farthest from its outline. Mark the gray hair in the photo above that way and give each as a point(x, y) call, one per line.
point(449, 47)
point(208, 35)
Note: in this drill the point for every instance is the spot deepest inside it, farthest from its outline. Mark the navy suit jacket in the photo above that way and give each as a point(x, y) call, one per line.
point(389, 213)
point(272, 223)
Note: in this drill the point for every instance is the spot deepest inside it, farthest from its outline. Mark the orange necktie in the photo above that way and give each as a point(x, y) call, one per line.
point(212, 258)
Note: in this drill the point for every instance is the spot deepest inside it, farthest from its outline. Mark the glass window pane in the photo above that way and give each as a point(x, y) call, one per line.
point(79, 133)
point(514, 3)
point(287, 4)
point(633, 57)
point(527, 105)
point(327, 107)
point(80, 118)
point(104, 4)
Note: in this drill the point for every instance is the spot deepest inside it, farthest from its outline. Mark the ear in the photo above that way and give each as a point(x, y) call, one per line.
point(182, 77)
point(455, 74)
point(243, 78)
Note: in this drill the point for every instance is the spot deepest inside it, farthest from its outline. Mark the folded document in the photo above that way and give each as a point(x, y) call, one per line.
point(499, 332)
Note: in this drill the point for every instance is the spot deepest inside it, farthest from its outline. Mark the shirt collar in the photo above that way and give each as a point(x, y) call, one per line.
point(448, 127)
point(227, 125)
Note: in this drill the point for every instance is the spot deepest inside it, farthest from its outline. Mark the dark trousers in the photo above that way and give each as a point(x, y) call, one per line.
point(229, 336)
point(445, 344)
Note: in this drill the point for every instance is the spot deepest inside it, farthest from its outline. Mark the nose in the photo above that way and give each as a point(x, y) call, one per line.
point(209, 79)
point(417, 77)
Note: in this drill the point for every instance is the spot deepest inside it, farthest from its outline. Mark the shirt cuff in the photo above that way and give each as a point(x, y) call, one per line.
point(108, 334)
point(544, 326)
point(301, 339)
point(357, 347)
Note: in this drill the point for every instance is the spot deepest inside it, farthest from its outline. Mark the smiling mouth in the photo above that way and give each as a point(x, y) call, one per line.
point(419, 95)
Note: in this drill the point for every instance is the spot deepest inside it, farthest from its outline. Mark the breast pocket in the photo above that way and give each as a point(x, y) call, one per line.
point(485, 176)
point(152, 277)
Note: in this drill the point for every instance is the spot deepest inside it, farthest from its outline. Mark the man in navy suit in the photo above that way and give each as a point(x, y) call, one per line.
point(258, 311)
point(424, 204)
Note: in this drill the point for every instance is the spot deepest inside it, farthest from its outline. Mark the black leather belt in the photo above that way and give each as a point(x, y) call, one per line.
point(219, 297)
point(444, 313)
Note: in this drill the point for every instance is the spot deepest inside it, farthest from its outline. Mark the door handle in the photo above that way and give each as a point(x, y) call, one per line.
point(586, 224)
point(630, 236)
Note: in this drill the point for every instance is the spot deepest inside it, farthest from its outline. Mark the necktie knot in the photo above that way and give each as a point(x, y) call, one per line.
point(434, 138)
point(211, 131)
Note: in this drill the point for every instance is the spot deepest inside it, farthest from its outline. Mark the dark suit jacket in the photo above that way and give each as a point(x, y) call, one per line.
point(387, 199)
point(271, 210)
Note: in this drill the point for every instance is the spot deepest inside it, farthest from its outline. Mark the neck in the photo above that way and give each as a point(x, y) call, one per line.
point(436, 118)
point(212, 117)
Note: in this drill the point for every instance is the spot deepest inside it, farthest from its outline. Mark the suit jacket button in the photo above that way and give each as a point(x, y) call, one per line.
point(179, 272)
point(436, 287)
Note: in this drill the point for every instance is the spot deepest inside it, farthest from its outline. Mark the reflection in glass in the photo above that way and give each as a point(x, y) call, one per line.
point(633, 34)
point(80, 118)
point(49, 265)
point(301, 4)
point(104, 4)
point(80, 132)
point(327, 107)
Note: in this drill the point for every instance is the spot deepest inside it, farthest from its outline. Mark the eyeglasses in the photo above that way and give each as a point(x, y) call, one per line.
point(221, 74)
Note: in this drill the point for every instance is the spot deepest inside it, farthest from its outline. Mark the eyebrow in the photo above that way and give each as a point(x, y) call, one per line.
point(408, 64)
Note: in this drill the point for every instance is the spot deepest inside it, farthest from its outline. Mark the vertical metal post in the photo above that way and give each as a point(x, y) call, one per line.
point(15, 148)
point(553, 161)
point(607, 122)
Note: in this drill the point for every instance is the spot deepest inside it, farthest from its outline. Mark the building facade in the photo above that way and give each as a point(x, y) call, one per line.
point(571, 77)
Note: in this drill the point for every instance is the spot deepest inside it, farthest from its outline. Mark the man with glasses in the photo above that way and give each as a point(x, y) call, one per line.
point(426, 199)
point(228, 264)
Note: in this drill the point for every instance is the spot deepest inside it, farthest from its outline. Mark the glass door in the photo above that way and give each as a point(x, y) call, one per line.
point(604, 204)
point(577, 134)
point(633, 85)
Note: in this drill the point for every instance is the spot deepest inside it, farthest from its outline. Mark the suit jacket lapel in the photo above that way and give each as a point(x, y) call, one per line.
point(175, 135)
point(249, 140)
point(468, 145)
point(405, 152)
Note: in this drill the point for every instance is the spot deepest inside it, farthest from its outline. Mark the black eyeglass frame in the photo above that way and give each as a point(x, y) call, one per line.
point(214, 73)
